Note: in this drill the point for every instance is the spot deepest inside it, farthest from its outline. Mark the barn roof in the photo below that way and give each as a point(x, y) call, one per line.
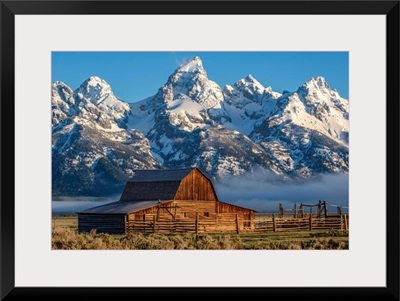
point(238, 206)
point(160, 175)
point(155, 184)
point(121, 207)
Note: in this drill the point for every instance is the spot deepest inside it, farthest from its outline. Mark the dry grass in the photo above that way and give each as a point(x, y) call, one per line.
point(66, 237)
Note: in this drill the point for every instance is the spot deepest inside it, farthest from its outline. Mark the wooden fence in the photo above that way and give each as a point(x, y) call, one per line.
point(226, 223)
point(236, 225)
point(277, 224)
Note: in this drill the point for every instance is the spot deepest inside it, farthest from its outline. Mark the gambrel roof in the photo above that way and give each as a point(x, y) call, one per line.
point(160, 175)
point(155, 184)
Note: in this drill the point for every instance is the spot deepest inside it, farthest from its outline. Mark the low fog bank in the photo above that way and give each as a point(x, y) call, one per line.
point(66, 204)
point(260, 191)
point(263, 192)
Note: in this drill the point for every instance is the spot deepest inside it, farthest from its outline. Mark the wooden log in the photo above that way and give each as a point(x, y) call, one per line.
point(154, 224)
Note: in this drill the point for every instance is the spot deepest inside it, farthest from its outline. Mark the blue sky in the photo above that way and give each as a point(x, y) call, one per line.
point(136, 75)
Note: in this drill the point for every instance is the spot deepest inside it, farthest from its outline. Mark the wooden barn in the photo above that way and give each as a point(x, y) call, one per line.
point(174, 200)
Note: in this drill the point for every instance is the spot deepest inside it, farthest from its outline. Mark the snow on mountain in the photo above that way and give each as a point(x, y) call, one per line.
point(186, 98)
point(327, 106)
point(98, 139)
point(224, 152)
point(98, 92)
point(92, 151)
point(62, 102)
point(93, 102)
point(182, 119)
point(246, 102)
point(307, 131)
point(292, 129)
point(191, 79)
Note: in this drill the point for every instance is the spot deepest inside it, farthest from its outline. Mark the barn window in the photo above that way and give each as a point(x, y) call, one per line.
point(207, 214)
point(184, 214)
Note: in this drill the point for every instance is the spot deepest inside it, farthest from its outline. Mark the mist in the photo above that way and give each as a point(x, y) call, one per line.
point(66, 204)
point(263, 191)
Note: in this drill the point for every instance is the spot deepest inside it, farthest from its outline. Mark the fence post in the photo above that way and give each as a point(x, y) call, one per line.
point(295, 210)
point(345, 222)
point(341, 222)
point(273, 222)
point(154, 224)
point(197, 223)
point(310, 222)
point(237, 224)
point(319, 209)
point(326, 208)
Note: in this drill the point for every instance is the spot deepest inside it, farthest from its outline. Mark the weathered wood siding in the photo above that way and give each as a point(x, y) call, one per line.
point(228, 208)
point(196, 187)
point(187, 209)
point(148, 213)
point(113, 224)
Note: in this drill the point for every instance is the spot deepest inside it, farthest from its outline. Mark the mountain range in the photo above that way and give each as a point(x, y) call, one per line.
point(98, 140)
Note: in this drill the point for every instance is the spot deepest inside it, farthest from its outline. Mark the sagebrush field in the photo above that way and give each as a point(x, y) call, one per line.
point(66, 237)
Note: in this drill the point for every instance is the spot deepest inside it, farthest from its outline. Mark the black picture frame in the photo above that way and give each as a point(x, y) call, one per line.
point(9, 9)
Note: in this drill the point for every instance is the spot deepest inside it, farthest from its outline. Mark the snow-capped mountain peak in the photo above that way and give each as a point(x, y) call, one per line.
point(192, 65)
point(62, 102)
point(93, 101)
point(191, 70)
point(316, 92)
point(247, 90)
point(95, 89)
point(316, 83)
point(191, 80)
point(59, 83)
point(250, 79)
point(250, 85)
point(61, 92)
point(99, 92)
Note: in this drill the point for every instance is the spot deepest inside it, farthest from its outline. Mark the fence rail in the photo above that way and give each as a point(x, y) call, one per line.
point(236, 225)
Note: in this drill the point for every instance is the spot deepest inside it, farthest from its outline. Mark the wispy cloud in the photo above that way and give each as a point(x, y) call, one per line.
point(179, 60)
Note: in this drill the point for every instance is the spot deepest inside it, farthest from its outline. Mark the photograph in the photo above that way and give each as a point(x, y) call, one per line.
point(200, 150)
point(178, 149)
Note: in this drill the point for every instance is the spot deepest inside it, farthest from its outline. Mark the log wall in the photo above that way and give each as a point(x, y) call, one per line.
point(113, 224)
point(164, 213)
point(187, 209)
